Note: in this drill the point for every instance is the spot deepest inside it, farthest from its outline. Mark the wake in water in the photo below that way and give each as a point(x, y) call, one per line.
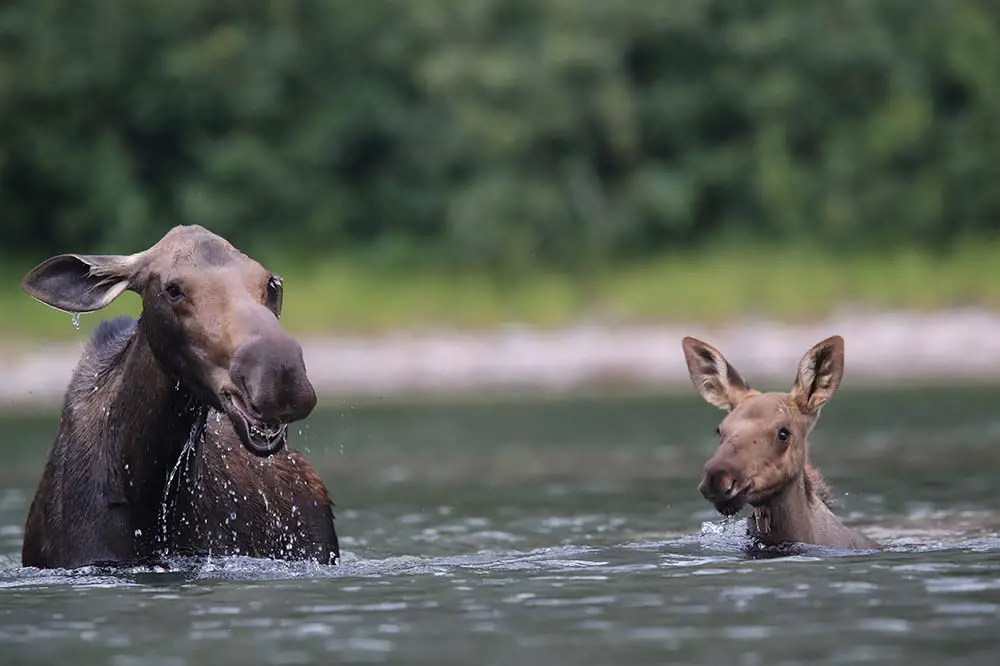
point(463, 545)
point(719, 543)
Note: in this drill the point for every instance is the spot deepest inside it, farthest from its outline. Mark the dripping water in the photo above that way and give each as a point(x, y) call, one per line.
point(166, 505)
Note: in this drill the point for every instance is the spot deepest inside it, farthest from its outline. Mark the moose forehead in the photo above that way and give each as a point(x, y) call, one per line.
point(196, 247)
point(758, 411)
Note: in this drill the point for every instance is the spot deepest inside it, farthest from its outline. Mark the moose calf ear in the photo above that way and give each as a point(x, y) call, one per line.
point(820, 372)
point(78, 283)
point(716, 380)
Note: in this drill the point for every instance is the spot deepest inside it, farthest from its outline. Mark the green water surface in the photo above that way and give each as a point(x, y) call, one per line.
point(537, 532)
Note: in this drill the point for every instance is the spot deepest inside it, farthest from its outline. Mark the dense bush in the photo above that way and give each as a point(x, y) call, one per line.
point(499, 132)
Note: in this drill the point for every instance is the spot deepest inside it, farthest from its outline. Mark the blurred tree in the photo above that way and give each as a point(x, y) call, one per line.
point(505, 133)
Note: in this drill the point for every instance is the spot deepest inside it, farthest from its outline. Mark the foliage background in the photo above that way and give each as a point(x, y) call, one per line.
point(499, 133)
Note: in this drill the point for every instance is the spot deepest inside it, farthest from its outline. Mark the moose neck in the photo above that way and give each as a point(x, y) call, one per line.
point(149, 423)
point(790, 514)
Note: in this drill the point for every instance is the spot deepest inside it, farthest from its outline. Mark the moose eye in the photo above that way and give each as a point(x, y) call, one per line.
point(174, 292)
point(783, 434)
point(274, 294)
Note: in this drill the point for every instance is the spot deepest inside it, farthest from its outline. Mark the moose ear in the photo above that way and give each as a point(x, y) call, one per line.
point(820, 372)
point(78, 282)
point(716, 380)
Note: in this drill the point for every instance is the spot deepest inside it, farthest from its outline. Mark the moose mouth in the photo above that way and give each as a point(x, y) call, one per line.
point(258, 437)
point(732, 505)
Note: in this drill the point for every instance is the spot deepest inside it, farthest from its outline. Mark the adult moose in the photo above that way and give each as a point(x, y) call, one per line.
point(172, 439)
point(763, 457)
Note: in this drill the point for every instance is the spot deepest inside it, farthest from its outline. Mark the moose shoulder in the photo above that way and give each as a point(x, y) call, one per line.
point(763, 454)
point(173, 433)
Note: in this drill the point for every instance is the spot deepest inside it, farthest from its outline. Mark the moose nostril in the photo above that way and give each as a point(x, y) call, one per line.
point(240, 382)
point(725, 485)
point(254, 409)
point(248, 400)
point(717, 485)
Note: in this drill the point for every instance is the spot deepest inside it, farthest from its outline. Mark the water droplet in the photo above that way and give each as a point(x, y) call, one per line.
point(138, 532)
point(75, 317)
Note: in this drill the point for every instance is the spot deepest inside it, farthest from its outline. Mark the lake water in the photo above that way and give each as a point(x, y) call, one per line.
point(558, 532)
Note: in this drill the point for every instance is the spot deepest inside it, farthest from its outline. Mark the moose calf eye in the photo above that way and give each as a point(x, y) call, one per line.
point(783, 434)
point(174, 292)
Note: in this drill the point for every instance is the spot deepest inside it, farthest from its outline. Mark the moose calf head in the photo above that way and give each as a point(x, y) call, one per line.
point(762, 448)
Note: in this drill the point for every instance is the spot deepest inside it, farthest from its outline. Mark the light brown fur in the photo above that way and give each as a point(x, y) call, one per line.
point(763, 455)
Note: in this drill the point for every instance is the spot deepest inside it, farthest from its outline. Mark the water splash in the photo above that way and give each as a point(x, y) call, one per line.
point(197, 433)
point(75, 318)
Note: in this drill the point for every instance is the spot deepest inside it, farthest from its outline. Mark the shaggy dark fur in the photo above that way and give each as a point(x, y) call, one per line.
point(103, 497)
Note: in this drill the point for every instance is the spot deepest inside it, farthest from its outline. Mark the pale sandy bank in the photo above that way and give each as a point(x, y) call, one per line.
point(962, 345)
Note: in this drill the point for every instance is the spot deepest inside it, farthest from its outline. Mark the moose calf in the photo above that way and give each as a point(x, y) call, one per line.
point(763, 457)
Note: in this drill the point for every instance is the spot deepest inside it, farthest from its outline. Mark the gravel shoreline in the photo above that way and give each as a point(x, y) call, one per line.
point(958, 345)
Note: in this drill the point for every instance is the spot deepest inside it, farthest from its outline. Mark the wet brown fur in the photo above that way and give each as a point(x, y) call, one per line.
point(129, 419)
point(763, 459)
